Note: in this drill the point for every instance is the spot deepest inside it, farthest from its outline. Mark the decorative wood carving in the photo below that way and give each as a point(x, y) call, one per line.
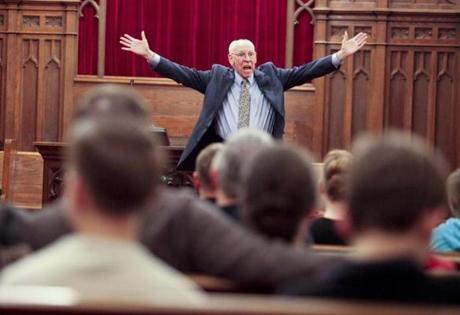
point(423, 33)
point(31, 21)
point(53, 21)
point(400, 32)
point(447, 33)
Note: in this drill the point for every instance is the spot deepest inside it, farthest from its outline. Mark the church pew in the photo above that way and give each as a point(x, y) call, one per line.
point(22, 177)
point(54, 301)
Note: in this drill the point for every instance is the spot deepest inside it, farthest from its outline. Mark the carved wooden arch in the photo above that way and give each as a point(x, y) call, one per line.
point(93, 3)
point(101, 11)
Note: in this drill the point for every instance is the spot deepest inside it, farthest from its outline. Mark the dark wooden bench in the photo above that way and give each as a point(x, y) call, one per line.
point(12, 303)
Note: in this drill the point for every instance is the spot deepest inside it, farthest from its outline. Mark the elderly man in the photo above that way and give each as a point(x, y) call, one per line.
point(241, 96)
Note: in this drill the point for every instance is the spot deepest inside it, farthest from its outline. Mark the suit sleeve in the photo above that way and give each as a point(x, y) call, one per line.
point(302, 74)
point(192, 78)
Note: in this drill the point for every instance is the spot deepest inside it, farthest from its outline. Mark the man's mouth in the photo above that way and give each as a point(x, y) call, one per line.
point(247, 67)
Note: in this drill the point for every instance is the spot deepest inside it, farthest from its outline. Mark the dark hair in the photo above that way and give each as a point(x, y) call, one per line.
point(203, 163)
point(453, 192)
point(394, 178)
point(117, 160)
point(335, 170)
point(114, 100)
point(279, 189)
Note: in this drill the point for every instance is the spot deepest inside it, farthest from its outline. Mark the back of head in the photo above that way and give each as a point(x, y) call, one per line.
point(239, 149)
point(394, 179)
point(116, 159)
point(111, 100)
point(336, 167)
point(203, 163)
point(278, 191)
point(453, 192)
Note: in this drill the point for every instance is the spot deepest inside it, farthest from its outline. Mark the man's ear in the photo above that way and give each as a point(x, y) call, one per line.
point(214, 176)
point(430, 219)
point(345, 226)
point(73, 194)
point(231, 60)
point(196, 181)
point(322, 187)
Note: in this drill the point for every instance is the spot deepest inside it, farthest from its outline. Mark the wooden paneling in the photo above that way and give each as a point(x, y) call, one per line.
point(40, 56)
point(1, 169)
point(407, 76)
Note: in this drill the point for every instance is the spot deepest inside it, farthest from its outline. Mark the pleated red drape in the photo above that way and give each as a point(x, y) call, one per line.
point(195, 33)
point(87, 41)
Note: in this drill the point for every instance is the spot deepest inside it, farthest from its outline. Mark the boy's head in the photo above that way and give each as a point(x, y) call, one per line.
point(396, 183)
point(279, 190)
point(113, 166)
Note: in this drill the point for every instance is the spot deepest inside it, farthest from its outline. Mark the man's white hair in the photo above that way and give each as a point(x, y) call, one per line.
point(240, 42)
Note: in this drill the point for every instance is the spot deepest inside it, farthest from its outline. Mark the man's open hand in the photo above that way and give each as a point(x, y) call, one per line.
point(137, 46)
point(350, 46)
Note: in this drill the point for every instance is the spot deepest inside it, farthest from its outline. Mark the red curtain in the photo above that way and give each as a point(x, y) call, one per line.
point(87, 41)
point(197, 33)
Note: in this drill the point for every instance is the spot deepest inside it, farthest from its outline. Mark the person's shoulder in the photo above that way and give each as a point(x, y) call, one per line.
point(34, 268)
point(220, 68)
point(266, 66)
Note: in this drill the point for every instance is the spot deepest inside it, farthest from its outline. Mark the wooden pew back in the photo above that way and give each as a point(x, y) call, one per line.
point(22, 177)
point(214, 305)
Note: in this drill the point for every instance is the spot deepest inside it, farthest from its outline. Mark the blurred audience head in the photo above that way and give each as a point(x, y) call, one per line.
point(336, 166)
point(396, 185)
point(227, 165)
point(453, 192)
point(112, 168)
point(112, 100)
point(202, 175)
point(279, 190)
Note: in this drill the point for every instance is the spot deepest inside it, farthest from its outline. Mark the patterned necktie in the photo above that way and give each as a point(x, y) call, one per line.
point(245, 103)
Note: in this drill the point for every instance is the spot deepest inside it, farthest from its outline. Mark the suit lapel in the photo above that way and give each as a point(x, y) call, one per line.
point(264, 83)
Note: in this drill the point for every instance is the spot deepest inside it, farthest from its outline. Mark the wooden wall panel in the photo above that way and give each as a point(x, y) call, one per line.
point(52, 74)
point(336, 110)
point(40, 39)
point(397, 94)
point(421, 92)
point(361, 90)
point(406, 77)
point(445, 104)
point(29, 94)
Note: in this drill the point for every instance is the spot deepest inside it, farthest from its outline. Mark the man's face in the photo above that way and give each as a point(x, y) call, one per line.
point(243, 59)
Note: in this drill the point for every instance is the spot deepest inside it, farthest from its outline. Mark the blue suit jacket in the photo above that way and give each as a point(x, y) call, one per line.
point(215, 84)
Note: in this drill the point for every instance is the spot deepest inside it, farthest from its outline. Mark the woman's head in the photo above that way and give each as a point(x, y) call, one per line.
point(336, 167)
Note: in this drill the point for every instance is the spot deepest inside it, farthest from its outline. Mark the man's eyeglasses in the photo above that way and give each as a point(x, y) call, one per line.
point(242, 54)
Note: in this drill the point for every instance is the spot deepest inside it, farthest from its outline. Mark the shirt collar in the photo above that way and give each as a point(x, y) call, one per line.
point(239, 79)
